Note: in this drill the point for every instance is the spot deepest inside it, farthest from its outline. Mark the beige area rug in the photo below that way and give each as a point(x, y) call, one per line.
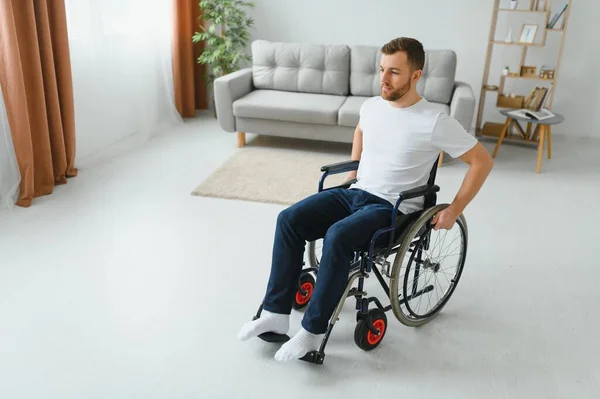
point(275, 170)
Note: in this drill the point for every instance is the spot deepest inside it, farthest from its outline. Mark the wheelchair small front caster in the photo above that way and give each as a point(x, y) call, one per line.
point(370, 330)
point(306, 286)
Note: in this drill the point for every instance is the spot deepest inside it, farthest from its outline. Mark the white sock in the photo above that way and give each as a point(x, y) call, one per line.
point(302, 343)
point(268, 322)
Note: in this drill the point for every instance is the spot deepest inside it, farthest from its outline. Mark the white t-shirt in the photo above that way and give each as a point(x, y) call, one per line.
point(400, 146)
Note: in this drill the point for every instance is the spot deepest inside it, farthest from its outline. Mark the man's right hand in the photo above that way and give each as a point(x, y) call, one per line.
point(351, 176)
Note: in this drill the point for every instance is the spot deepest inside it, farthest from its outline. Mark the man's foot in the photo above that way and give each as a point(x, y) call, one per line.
point(302, 343)
point(268, 322)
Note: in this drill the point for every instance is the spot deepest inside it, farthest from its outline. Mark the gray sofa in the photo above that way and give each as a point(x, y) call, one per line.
point(314, 91)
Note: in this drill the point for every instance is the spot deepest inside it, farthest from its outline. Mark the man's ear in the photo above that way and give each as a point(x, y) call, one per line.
point(417, 75)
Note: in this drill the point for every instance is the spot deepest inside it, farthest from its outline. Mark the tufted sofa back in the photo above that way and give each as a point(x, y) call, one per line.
point(301, 67)
point(436, 83)
point(342, 70)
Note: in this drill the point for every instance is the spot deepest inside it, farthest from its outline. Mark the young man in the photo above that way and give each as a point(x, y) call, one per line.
point(397, 141)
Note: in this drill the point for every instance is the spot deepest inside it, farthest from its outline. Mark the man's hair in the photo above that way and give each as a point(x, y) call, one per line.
point(413, 48)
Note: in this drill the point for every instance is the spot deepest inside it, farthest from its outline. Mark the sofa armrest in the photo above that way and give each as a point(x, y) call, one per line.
point(228, 89)
point(462, 104)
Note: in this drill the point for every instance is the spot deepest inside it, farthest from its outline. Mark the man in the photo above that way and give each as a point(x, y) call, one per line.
point(397, 141)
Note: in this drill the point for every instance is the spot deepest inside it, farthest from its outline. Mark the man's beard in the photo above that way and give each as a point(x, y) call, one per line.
point(397, 94)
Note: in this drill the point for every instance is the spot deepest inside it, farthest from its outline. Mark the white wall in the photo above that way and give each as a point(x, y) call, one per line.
point(460, 25)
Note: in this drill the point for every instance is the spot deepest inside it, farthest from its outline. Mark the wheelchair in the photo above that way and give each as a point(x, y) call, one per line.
point(412, 273)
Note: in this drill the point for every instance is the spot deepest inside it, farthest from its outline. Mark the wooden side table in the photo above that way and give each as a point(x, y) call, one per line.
point(540, 134)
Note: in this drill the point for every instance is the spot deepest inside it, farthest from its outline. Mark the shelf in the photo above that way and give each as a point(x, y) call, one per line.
point(506, 106)
point(495, 130)
point(495, 39)
point(510, 138)
point(518, 43)
point(530, 11)
point(527, 77)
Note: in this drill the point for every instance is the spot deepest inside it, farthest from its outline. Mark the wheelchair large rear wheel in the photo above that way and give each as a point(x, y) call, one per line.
point(427, 268)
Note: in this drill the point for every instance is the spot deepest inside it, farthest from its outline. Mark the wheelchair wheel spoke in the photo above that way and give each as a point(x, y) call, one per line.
point(428, 296)
point(446, 276)
point(449, 245)
point(441, 241)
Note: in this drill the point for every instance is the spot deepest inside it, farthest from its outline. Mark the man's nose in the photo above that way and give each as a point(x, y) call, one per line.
point(384, 78)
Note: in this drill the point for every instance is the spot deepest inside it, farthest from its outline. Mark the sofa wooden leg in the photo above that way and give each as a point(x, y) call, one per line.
point(241, 139)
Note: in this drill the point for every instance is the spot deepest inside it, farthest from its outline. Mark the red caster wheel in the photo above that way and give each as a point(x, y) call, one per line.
point(307, 284)
point(364, 337)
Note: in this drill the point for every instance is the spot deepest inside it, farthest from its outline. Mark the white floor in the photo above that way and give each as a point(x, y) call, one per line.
point(123, 285)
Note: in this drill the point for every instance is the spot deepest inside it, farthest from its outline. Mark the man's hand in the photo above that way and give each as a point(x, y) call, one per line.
point(444, 219)
point(351, 175)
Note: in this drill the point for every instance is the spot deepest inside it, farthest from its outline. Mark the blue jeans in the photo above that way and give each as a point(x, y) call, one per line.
point(347, 219)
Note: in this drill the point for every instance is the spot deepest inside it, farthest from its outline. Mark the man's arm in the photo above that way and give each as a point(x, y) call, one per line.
point(480, 165)
point(357, 144)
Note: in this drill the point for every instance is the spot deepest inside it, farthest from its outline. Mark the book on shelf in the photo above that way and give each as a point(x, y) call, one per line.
point(529, 113)
point(537, 98)
point(556, 17)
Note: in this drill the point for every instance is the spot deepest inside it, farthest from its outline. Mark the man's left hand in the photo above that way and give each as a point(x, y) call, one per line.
point(444, 219)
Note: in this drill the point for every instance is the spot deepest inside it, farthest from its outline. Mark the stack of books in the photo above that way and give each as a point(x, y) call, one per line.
point(533, 105)
point(537, 98)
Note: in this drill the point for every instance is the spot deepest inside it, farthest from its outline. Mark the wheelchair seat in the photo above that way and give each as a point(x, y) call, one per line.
point(403, 222)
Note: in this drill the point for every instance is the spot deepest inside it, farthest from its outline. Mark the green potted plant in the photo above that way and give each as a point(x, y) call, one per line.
point(225, 34)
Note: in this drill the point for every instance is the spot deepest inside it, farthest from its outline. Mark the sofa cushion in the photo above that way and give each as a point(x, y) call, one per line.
point(439, 73)
point(301, 67)
point(349, 113)
point(436, 83)
point(289, 106)
point(364, 71)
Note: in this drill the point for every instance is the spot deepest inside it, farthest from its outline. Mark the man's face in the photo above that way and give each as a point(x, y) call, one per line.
point(396, 76)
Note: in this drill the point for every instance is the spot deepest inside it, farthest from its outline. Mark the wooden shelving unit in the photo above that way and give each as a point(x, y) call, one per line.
point(498, 90)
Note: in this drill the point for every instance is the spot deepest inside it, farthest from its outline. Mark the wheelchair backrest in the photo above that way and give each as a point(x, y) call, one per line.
point(431, 199)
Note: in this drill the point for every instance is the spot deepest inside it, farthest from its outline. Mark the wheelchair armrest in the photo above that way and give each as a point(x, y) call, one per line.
point(413, 193)
point(340, 167)
point(418, 192)
point(336, 168)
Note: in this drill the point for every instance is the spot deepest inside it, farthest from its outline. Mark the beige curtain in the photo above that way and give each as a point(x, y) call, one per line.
point(190, 87)
point(35, 75)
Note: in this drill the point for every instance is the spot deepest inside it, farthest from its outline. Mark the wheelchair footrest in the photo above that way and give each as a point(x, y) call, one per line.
point(314, 357)
point(274, 337)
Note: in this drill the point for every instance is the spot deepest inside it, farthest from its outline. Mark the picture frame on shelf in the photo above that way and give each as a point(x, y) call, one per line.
point(528, 33)
point(547, 73)
point(528, 71)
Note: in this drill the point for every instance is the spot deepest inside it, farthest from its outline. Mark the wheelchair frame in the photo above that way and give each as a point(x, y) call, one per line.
point(366, 259)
